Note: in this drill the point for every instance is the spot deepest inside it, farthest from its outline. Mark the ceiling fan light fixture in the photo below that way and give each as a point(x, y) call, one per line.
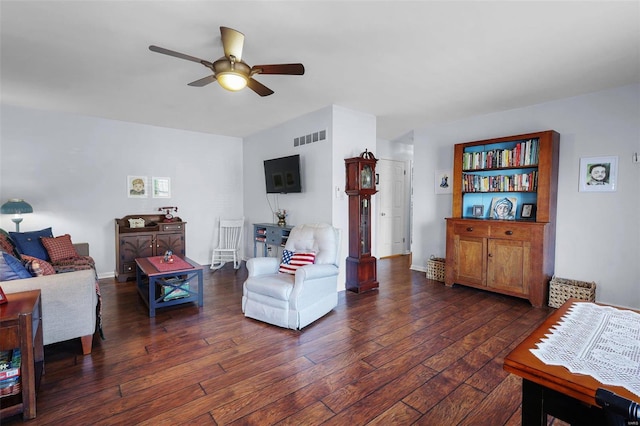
point(232, 81)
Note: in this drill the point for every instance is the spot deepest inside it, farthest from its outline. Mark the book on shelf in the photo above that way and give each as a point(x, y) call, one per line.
point(10, 363)
point(524, 153)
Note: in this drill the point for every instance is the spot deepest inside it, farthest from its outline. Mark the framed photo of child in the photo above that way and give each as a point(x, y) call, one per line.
point(598, 174)
point(137, 187)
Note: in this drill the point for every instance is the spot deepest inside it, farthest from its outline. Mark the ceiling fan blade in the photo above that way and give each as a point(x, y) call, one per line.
point(203, 81)
point(289, 69)
point(259, 88)
point(176, 54)
point(232, 42)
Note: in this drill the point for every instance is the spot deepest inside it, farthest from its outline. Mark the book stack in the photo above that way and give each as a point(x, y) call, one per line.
point(524, 153)
point(10, 372)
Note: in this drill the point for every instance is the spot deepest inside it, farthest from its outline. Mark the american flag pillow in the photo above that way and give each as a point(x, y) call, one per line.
point(291, 261)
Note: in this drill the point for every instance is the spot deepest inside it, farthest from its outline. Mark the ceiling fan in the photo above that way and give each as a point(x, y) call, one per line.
point(230, 70)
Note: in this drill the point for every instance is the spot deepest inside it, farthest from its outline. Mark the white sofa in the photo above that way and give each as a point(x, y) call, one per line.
point(295, 301)
point(69, 303)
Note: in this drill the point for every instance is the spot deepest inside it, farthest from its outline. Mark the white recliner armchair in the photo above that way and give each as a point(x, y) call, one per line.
point(295, 300)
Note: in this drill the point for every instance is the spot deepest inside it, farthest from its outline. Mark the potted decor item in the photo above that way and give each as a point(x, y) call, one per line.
point(282, 215)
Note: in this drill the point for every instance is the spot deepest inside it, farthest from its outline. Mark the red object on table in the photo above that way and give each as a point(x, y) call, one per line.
point(162, 266)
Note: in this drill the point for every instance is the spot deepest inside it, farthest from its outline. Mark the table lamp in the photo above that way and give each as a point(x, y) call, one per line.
point(16, 207)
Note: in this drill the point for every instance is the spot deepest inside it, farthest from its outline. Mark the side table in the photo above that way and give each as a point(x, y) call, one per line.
point(21, 327)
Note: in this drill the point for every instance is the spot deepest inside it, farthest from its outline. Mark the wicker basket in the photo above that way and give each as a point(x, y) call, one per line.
point(562, 289)
point(435, 268)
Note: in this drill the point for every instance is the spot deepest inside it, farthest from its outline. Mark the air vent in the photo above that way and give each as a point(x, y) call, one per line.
point(310, 138)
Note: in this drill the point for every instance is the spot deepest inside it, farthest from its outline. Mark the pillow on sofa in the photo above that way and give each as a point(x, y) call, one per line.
point(291, 261)
point(29, 242)
point(59, 248)
point(7, 245)
point(11, 268)
point(45, 267)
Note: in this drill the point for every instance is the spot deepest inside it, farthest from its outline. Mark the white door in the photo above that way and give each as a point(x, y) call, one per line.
point(392, 208)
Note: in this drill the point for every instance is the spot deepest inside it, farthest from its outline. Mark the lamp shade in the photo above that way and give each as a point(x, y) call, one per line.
point(16, 206)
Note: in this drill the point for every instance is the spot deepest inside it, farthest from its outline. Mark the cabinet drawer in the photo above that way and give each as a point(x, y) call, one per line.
point(476, 229)
point(128, 267)
point(170, 227)
point(510, 231)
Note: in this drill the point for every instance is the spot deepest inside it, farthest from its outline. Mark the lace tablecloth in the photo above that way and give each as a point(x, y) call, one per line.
point(601, 341)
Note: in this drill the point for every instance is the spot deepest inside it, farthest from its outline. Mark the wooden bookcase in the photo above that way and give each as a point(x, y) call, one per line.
point(513, 255)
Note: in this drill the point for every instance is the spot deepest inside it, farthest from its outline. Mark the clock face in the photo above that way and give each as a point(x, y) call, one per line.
point(366, 177)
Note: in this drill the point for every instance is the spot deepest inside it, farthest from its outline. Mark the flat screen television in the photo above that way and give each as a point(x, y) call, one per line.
point(282, 175)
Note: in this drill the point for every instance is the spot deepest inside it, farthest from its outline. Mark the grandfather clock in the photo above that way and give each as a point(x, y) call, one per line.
point(360, 186)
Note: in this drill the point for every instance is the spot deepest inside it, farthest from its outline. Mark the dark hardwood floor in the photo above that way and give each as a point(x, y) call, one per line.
point(413, 352)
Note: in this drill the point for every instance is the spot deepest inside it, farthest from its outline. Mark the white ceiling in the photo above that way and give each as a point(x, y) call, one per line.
point(408, 63)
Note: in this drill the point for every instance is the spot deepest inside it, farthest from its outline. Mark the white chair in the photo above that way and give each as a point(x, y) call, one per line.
point(295, 300)
point(229, 240)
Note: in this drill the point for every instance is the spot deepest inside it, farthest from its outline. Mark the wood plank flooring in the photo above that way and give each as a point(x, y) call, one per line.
point(413, 352)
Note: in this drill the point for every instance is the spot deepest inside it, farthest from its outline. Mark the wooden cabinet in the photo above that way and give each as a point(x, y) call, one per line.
point(154, 239)
point(513, 256)
point(21, 327)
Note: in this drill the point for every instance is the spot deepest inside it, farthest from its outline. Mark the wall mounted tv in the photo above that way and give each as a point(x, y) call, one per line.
point(282, 175)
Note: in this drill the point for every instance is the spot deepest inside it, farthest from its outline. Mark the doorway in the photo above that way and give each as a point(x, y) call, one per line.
point(393, 212)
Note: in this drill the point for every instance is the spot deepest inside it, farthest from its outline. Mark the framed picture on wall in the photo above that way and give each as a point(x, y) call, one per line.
point(137, 186)
point(443, 182)
point(161, 187)
point(598, 174)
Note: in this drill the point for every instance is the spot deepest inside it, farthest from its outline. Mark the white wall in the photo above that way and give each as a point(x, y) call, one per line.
point(322, 171)
point(598, 234)
point(72, 169)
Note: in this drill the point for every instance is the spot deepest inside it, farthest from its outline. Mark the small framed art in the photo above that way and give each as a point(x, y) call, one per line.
point(161, 187)
point(598, 174)
point(503, 208)
point(442, 182)
point(528, 211)
point(137, 186)
point(3, 298)
point(477, 210)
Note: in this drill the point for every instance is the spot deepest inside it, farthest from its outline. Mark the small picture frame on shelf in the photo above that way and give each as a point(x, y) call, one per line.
point(503, 208)
point(3, 297)
point(477, 210)
point(528, 211)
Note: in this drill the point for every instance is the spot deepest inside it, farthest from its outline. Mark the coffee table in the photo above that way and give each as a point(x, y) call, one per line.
point(162, 284)
point(553, 389)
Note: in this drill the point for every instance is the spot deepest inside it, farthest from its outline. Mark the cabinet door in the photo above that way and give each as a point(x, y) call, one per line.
point(470, 255)
point(508, 265)
point(131, 247)
point(173, 242)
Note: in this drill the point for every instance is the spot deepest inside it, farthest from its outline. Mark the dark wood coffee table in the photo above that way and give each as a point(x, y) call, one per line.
point(552, 389)
point(162, 285)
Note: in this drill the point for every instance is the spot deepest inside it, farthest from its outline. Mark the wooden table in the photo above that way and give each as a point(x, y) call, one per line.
point(21, 327)
point(552, 389)
point(150, 281)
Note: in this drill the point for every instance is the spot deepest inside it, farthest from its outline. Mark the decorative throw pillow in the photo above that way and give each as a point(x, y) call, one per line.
point(59, 248)
point(7, 245)
point(11, 268)
point(45, 267)
point(291, 261)
point(29, 242)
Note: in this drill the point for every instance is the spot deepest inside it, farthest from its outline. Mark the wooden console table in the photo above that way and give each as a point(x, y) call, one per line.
point(21, 327)
point(553, 389)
